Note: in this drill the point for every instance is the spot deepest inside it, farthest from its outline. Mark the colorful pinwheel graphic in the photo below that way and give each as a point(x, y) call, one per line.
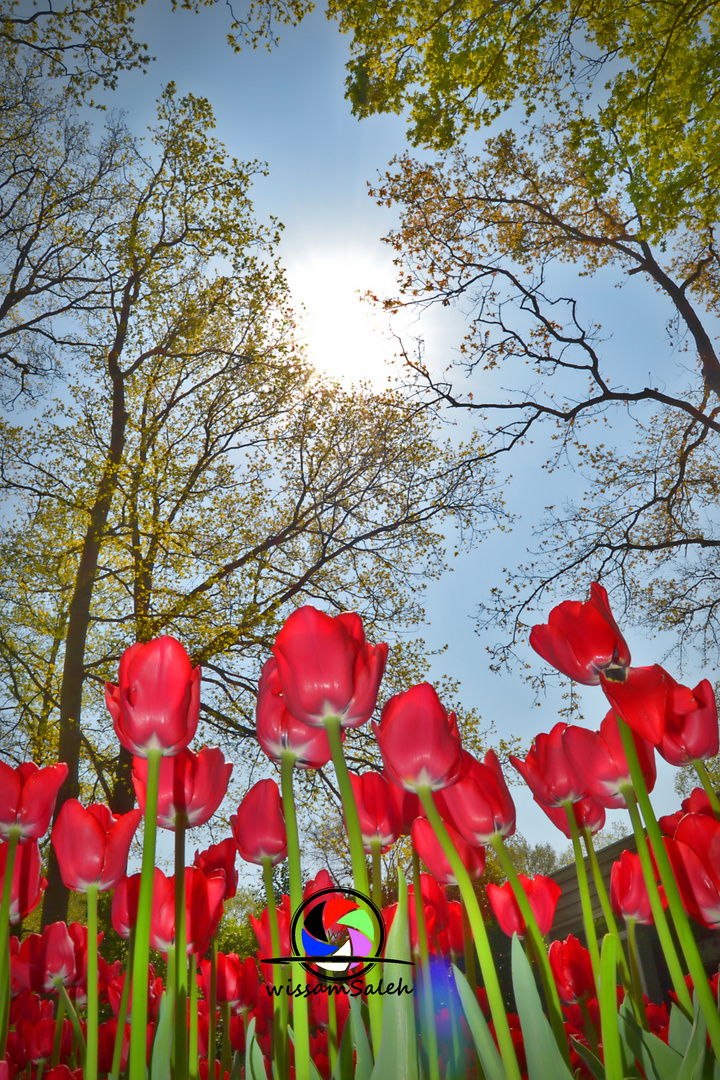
point(339, 928)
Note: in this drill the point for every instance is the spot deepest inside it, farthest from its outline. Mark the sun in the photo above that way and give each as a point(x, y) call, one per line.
point(347, 337)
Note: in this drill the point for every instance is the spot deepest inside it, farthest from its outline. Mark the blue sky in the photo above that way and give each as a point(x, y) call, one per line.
point(286, 107)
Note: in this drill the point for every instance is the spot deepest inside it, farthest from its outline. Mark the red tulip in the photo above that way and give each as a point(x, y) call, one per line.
point(582, 639)
point(628, 891)
point(220, 857)
point(407, 805)
point(46, 959)
point(106, 1045)
point(572, 970)
point(428, 848)
point(697, 880)
point(203, 909)
point(327, 668)
point(156, 704)
point(322, 880)
point(261, 927)
point(640, 700)
point(155, 994)
point(27, 798)
point(259, 825)
point(691, 724)
point(433, 895)
point(547, 771)
point(451, 938)
point(27, 884)
point(92, 845)
point(125, 902)
point(278, 731)
point(543, 894)
point(589, 814)
point(697, 802)
point(480, 805)
point(192, 786)
point(598, 756)
point(419, 741)
point(237, 980)
point(378, 815)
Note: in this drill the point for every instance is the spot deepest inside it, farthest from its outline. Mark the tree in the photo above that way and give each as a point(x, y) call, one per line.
point(197, 477)
point(87, 43)
point(619, 182)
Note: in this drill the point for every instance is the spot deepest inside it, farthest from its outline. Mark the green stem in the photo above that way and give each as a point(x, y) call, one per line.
point(90, 1072)
point(180, 1042)
point(193, 1062)
point(487, 965)
point(635, 970)
point(77, 1030)
point(428, 1034)
point(468, 948)
point(13, 841)
point(357, 856)
point(137, 1063)
point(376, 851)
point(57, 1042)
point(546, 976)
point(212, 1008)
point(122, 1014)
point(699, 767)
point(225, 1053)
point(609, 914)
point(675, 904)
point(279, 1013)
point(332, 1032)
point(585, 900)
point(301, 1031)
point(661, 923)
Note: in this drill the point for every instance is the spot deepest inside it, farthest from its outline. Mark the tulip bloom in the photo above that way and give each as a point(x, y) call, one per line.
point(599, 757)
point(640, 700)
point(156, 704)
point(220, 857)
point(192, 786)
point(543, 894)
point(548, 772)
point(27, 799)
point(588, 812)
point(326, 667)
point(480, 805)
point(419, 741)
point(27, 884)
point(92, 845)
point(280, 732)
point(691, 724)
point(628, 891)
point(582, 639)
point(407, 805)
point(44, 960)
point(237, 980)
point(379, 819)
point(572, 970)
point(203, 909)
point(428, 848)
point(697, 880)
point(259, 825)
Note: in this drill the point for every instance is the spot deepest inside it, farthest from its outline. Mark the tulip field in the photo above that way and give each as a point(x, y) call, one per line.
point(416, 994)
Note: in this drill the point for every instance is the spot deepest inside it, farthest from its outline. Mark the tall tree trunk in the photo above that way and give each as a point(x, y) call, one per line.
point(55, 901)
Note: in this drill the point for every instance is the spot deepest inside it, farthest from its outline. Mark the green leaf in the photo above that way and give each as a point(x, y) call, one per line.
point(694, 1059)
point(680, 1030)
point(593, 1063)
point(254, 1061)
point(544, 1059)
point(364, 1060)
point(609, 1020)
point(397, 1056)
point(236, 1067)
point(160, 1061)
point(344, 1064)
point(484, 1043)
point(658, 1060)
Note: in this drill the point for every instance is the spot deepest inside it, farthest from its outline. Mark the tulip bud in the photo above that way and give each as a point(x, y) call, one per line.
point(259, 825)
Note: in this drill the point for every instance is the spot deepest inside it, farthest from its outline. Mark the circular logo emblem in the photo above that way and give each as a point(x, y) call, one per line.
point(341, 932)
